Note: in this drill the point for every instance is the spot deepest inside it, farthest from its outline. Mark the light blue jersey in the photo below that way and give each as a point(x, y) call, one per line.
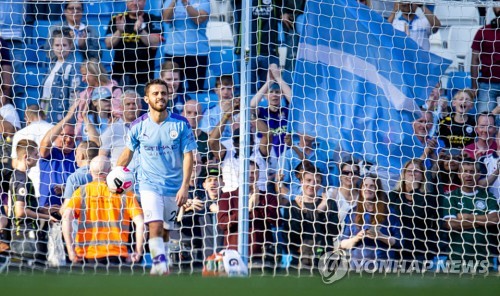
point(161, 148)
point(186, 37)
point(211, 118)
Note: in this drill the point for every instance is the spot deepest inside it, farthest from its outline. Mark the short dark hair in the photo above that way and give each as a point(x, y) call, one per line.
point(91, 149)
point(224, 79)
point(65, 5)
point(170, 66)
point(487, 114)
point(154, 82)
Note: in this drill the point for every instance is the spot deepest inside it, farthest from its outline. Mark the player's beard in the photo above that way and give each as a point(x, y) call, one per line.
point(159, 109)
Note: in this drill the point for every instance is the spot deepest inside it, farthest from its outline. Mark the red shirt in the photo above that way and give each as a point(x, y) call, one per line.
point(487, 43)
point(471, 150)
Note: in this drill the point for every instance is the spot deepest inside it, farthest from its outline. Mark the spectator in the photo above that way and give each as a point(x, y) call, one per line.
point(85, 152)
point(263, 38)
point(306, 149)
point(205, 208)
point(491, 169)
point(95, 76)
point(57, 160)
point(373, 232)
point(192, 112)
point(6, 69)
point(485, 142)
point(103, 221)
point(347, 194)
point(224, 88)
point(417, 27)
point(447, 179)
point(12, 28)
point(293, 20)
point(418, 211)
point(457, 130)
point(113, 138)
point(97, 116)
point(171, 74)
point(61, 83)
point(36, 128)
point(468, 213)
point(312, 228)
point(25, 211)
point(423, 129)
point(86, 38)
point(134, 35)
point(228, 153)
point(187, 44)
point(263, 208)
point(274, 116)
point(485, 70)
point(9, 124)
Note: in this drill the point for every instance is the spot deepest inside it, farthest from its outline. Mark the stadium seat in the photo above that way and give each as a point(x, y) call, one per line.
point(104, 7)
point(219, 34)
point(221, 10)
point(154, 7)
point(460, 39)
point(457, 81)
point(207, 99)
point(455, 15)
point(41, 31)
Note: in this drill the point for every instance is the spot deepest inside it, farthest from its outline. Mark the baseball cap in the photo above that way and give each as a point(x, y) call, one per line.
point(100, 93)
point(212, 171)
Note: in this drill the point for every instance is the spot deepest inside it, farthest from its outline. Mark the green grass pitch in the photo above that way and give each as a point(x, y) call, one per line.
point(141, 285)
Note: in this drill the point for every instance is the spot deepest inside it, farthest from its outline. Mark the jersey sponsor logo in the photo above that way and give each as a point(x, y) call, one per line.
point(480, 205)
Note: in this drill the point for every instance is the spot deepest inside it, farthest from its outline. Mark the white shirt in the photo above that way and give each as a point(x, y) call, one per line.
point(491, 162)
point(419, 29)
point(9, 113)
point(47, 87)
point(35, 132)
point(113, 140)
point(231, 168)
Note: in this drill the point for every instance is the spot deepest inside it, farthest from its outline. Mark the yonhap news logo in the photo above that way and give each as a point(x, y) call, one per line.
point(333, 266)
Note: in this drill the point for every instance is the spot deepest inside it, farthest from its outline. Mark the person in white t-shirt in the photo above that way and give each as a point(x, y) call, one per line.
point(36, 128)
point(9, 124)
point(418, 26)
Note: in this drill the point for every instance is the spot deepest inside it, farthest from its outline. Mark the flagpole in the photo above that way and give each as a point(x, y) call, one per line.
point(243, 215)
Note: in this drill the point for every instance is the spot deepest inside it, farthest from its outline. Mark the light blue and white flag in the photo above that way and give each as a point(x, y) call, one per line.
point(358, 82)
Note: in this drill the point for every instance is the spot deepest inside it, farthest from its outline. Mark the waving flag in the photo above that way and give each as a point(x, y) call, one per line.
point(358, 82)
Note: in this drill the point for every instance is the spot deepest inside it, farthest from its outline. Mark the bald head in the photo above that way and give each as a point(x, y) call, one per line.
point(192, 112)
point(100, 166)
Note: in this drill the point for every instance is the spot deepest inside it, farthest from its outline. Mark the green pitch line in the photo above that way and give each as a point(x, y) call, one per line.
point(141, 285)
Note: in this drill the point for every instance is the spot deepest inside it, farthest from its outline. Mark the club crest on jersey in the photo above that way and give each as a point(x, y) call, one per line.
point(480, 205)
point(174, 134)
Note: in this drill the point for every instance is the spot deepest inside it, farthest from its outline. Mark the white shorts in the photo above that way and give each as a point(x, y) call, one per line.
point(158, 207)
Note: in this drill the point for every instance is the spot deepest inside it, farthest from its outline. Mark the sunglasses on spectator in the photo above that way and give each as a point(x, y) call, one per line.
point(348, 173)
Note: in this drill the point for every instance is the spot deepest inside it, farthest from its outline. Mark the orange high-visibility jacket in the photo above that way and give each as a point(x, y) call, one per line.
point(103, 220)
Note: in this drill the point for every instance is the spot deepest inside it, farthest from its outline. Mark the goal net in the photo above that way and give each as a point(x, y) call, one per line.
point(332, 136)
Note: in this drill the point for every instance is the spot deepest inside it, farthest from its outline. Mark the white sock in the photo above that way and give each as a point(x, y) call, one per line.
point(157, 248)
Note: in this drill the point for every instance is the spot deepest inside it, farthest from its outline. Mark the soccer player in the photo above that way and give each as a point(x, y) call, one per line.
point(165, 143)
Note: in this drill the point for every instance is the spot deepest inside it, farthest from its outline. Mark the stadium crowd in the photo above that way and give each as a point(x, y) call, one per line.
point(302, 202)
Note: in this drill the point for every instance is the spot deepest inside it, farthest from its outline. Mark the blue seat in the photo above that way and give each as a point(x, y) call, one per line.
point(456, 82)
point(104, 7)
point(41, 31)
point(207, 99)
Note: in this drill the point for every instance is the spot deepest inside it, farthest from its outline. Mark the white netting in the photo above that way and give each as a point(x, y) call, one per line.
point(367, 137)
